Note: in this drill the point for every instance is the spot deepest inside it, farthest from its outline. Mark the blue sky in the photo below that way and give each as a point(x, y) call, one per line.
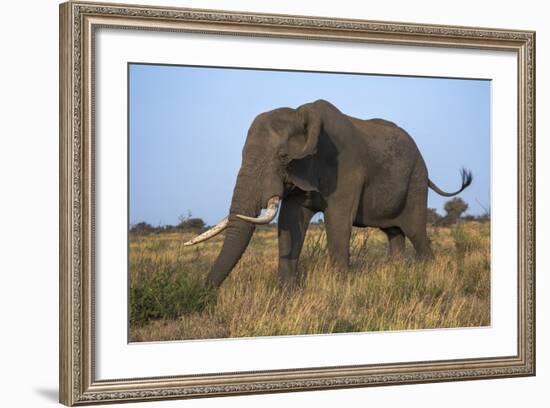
point(188, 126)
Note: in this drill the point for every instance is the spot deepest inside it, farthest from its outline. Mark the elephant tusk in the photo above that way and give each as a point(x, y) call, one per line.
point(212, 232)
point(267, 217)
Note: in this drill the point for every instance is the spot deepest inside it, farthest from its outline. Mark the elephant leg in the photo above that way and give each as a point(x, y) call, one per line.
point(396, 240)
point(338, 226)
point(421, 244)
point(415, 230)
point(293, 222)
point(414, 221)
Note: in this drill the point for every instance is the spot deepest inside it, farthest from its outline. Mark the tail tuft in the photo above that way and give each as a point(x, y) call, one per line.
point(467, 179)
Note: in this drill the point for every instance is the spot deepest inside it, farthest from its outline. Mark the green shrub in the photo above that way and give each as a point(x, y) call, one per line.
point(166, 294)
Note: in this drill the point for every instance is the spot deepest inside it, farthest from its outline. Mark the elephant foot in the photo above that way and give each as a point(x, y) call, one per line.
point(425, 256)
point(289, 288)
point(289, 274)
point(341, 268)
point(291, 283)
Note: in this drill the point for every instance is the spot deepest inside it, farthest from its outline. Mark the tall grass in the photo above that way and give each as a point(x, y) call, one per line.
point(169, 302)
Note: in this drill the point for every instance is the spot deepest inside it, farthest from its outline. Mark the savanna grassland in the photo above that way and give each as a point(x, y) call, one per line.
point(168, 300)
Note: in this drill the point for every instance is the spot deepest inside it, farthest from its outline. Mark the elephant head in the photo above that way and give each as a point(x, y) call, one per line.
point(279, 153)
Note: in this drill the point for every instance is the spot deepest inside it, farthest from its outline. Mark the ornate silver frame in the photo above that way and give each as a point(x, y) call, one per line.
point(78, 20)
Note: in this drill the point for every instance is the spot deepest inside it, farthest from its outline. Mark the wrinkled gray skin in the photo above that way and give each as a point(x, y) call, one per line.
point(363, 173)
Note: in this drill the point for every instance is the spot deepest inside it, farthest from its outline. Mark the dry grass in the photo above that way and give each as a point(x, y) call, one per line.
point(168, 301)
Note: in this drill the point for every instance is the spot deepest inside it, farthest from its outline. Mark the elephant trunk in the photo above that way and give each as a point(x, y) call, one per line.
point(237, 237)
point(246, 201)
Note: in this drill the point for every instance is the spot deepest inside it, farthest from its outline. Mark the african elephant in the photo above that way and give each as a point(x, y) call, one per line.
point(363, 173)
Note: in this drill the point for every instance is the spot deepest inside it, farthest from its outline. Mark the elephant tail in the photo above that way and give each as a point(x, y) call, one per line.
point(466, 181)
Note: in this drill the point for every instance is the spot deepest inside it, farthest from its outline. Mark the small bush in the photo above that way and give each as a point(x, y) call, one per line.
point(142, 228)
point(187, 222)
point(166, 294)
point(192, 223)
point(432, 217)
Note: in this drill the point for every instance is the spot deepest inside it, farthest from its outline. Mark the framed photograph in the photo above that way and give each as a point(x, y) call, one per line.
point(256, 203)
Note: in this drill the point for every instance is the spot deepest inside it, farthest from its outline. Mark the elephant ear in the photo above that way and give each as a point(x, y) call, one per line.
point(305, 169)
point(304, 143)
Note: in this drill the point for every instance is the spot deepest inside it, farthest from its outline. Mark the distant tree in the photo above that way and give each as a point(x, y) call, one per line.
point(142, 228)
point(433, 217)
point(188, 222)
point(454, 208)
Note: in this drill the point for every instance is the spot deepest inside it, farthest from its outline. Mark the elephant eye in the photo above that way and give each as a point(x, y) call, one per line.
point(283, 158)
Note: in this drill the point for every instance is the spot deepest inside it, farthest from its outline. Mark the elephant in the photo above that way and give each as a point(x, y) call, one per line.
point(362, 173)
